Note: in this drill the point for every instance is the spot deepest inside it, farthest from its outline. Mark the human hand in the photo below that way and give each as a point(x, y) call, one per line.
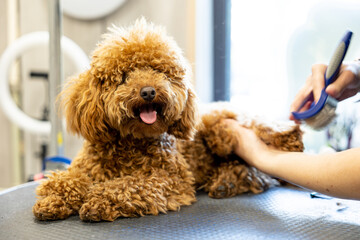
point(346, 85)
point(249, 147)
point(348, 82)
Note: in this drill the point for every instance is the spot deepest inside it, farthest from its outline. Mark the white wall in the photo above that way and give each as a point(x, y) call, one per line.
point(5, 163)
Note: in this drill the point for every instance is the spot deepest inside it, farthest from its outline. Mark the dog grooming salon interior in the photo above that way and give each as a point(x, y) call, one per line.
point(254, 55)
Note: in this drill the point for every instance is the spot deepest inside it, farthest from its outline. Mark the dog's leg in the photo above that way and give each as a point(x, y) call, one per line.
point(135, 196)
point(218, 138)
point(286, 140)
point(232, 178)
point(60, 196)
point(199, 158)
point(221, 140)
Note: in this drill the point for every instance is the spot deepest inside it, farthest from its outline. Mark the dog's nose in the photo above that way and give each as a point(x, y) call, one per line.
point(148, 93)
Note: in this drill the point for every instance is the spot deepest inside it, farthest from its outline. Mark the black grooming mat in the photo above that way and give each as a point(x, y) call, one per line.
point(279, 213)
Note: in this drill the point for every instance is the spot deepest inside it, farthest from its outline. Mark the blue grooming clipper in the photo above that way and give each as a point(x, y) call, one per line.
point(330, 76)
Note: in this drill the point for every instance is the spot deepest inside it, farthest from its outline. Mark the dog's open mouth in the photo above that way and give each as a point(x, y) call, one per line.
point(148, 113)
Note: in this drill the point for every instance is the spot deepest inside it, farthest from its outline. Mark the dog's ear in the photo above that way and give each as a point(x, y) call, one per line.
point(184, 128)
point(84, 109)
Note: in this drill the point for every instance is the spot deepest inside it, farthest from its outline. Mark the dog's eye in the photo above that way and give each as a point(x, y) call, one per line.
point(123, 78)
point(122, 81)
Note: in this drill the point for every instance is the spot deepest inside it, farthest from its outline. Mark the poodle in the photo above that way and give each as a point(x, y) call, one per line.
point(146, 150)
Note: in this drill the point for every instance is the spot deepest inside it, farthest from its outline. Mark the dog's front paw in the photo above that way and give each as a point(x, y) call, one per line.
point(97, 209)
point(219, 138)
point(51, 208)
point(222, 190)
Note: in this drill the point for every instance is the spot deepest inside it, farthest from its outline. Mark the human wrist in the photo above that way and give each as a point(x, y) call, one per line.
point(354, 67)
point(266, 160)
point(260, 157)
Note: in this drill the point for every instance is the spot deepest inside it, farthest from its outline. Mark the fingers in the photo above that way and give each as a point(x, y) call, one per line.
point(318, 80)
point(301, 96)
point(313, 85)
point(348, 93)
point(310, 92)
point(346, 85)
point(247, 140)
point(303, 108)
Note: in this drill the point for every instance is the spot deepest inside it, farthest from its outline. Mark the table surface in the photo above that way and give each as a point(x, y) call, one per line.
point(279, 213)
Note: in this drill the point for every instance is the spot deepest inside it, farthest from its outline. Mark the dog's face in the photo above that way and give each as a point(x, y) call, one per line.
point(138, 85)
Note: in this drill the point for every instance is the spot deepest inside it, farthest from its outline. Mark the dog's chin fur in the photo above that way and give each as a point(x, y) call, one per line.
point(138, 129)
point(129, 168)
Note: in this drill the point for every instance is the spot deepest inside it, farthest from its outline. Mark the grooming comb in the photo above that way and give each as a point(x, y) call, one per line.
point(320, 114)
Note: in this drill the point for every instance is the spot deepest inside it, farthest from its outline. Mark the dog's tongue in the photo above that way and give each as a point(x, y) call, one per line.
point(148, 115)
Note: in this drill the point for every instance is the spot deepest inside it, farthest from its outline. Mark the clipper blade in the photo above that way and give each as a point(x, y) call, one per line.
point(325, 116)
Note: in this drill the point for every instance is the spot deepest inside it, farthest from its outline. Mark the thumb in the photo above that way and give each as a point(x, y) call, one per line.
point(344, 81)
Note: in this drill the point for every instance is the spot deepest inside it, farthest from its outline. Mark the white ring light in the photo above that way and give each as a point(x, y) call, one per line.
point(19, 46)
point(90, 9)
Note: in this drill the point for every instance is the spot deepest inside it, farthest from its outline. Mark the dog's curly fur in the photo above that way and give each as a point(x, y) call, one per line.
point(220, 172)
point(131, 168)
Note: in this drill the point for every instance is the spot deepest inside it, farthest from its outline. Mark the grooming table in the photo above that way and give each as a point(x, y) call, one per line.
point(279, 213)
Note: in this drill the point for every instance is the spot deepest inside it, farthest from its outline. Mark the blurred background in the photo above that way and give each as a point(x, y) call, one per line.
point(256, 54)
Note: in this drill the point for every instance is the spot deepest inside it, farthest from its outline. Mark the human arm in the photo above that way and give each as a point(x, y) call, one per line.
point(336, 174)
point(346, 85)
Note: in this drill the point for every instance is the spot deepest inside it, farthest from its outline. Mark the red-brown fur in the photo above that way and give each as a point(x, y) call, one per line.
point(220, 172)
point(128, 168)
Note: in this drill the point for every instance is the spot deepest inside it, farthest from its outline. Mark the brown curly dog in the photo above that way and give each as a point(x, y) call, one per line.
point(137, 112)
